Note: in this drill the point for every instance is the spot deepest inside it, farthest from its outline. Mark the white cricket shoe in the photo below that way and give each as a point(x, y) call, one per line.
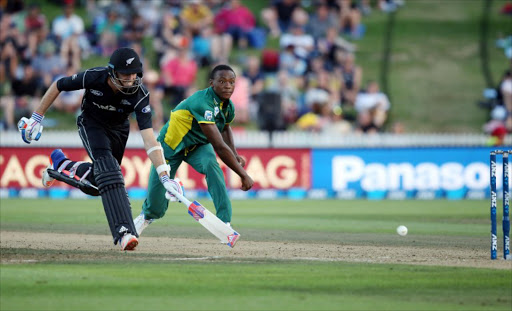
point(129, 242)
point(46, 179)
point(141, 223)
point(56, 157)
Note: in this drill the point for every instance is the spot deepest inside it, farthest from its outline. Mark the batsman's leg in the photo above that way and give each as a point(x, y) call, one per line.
point(117, 208)
point(74, 173)
point(106, 149)
point(203, 160)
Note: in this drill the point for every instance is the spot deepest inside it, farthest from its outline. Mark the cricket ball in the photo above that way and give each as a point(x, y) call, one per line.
point(401, 230)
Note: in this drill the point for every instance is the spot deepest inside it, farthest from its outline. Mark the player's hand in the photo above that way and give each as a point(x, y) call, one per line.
point(241, 160)
point(31, 129)
point(247, 183)
point(169, 184)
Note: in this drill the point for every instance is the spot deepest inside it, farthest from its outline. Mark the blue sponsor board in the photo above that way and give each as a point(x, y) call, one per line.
point(404, 173)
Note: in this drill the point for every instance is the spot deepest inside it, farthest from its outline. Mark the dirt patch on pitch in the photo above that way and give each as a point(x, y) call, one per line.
point(71, 247)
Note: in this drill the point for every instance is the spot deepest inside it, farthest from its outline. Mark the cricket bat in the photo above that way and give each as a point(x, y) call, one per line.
point(212, 223)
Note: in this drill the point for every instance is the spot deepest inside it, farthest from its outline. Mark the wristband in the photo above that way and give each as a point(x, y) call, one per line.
point(153, 149)
point(38, 117)
point(163, 168)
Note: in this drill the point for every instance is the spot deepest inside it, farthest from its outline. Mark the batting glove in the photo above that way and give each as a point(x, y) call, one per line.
point(31, 129)
point(175, 184)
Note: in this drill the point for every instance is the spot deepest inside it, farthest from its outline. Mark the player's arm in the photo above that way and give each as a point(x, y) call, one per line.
point(156, 155)
point(226, 154)
point(48, 99)
point(227, 136)
point(152, 146)
point(154, 151)
point(31, 129)
point(72, 83)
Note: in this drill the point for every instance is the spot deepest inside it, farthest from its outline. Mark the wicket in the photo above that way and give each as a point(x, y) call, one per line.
point(506, 220)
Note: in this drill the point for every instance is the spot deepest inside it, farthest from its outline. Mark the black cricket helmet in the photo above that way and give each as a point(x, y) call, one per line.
point(125, 61)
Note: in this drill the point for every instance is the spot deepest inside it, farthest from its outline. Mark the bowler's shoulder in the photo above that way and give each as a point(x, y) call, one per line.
point(199, 97)
point(204, 93)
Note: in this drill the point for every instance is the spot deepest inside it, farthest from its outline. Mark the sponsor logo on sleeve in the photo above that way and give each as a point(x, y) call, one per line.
point(146, 109)
point(208, 115)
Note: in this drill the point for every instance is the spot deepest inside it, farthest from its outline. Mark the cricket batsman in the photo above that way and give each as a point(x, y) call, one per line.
point(112, 93)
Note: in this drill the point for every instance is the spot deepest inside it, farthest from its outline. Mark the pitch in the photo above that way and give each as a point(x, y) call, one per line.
point(307, 255)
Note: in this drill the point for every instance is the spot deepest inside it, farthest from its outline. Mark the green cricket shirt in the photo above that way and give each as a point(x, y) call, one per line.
point(182, 131)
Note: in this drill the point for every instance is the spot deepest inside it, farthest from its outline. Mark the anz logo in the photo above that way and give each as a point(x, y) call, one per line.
point(105, 107)
point(494, 241)
point(95, 92)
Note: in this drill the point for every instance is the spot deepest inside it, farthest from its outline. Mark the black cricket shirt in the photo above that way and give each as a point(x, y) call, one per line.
point(102, 104)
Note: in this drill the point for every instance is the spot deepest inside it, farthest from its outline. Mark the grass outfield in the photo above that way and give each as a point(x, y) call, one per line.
point(42, 275)
point(249, 286)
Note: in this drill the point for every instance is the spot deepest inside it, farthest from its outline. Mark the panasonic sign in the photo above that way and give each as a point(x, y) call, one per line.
point(350, 170)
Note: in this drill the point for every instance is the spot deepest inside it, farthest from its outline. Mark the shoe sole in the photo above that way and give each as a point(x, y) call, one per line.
point(130, 246)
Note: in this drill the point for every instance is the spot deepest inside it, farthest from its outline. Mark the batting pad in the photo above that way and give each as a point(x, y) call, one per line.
point(109, 179)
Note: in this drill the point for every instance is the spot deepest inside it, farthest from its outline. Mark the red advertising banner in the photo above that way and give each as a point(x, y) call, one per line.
point(270, 168)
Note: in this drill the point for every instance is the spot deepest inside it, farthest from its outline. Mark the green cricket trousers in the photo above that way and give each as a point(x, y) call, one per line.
point(203, 159)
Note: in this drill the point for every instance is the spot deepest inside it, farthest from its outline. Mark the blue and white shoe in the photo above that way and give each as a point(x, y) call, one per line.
point(141, 223)
point(56, 158)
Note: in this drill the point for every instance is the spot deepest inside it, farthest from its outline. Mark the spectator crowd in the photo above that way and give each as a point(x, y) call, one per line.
point(499, 99)
point(312, 82)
